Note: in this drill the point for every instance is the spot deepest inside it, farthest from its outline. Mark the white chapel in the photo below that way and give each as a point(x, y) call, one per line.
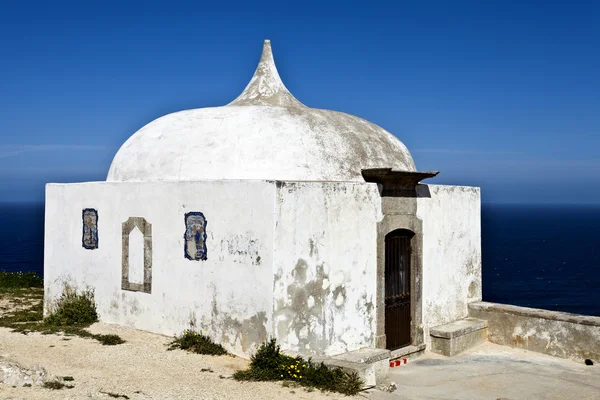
point(265, 218)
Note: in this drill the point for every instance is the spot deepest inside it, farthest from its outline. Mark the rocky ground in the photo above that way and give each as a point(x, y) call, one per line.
point(141, 368)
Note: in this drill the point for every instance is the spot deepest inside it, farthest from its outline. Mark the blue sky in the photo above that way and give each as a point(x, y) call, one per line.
point(500, 94)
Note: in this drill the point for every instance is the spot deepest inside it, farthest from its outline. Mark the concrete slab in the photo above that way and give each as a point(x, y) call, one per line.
point(458, 336)
point(370, 364)
point(489, 371)
point(458, 328)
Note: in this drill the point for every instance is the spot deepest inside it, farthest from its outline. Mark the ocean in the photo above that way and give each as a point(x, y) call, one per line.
point(533, 256)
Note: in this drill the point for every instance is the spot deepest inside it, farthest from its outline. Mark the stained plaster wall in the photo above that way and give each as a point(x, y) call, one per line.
point(292, 260)
point(324, 263)
point(229, 296)
point(451, 218)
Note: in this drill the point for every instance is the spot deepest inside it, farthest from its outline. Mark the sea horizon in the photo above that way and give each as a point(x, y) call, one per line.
point(532, 256)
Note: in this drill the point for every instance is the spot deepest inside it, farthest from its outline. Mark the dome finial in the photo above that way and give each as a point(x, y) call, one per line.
point(265, 87)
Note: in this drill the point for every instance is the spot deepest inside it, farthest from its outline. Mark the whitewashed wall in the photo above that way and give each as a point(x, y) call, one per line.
point(229, 295)
point(292, 260)
point(451, 251)
point(325, 263)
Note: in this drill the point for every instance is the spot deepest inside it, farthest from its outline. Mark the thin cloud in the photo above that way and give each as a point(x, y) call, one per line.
point(468, 152)
point(12, 150)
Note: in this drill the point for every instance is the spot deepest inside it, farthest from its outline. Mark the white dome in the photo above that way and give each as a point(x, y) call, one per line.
point(263, 134)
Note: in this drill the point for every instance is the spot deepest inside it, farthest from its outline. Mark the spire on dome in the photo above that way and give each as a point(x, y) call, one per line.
point(265, 87)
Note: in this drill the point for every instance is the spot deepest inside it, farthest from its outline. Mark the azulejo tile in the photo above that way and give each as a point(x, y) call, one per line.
point(195, 236)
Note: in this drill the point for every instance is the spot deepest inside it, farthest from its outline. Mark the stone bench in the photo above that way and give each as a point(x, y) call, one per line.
point(455, 337)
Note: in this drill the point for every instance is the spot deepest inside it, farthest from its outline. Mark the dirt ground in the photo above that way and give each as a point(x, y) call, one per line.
point(141, 368)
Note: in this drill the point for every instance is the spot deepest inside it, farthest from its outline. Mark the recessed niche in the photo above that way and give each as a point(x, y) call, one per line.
point(137, 255)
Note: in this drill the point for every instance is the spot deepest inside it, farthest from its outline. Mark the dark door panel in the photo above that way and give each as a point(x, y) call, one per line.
point(397, 289)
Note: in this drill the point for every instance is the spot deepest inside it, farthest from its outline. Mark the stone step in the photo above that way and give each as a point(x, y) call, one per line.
point(371, 365)
point(408, 352)
point(455, 337)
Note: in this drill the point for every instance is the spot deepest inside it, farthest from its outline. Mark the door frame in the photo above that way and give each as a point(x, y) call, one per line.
point(388, 224)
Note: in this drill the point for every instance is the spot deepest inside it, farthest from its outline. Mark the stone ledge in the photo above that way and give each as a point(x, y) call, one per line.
point(564, 335)
point(366, 355)
point(412, 350)
point(371, 365)
point(536, 313)
point(458, 328)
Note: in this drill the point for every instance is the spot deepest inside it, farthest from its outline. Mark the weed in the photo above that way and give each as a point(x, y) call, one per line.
point(56, 385)
point(68, 378)
point(196, 343)
point(73, 308)
point(108, 340)
point(269, 364)
point(115, 395)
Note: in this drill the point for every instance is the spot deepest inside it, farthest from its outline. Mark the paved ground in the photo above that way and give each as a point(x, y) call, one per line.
point(492, 372)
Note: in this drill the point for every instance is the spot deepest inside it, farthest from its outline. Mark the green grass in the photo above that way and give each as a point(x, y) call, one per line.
point(195, 342)
point(19, 280)
point(73, 312)
point(269, 364)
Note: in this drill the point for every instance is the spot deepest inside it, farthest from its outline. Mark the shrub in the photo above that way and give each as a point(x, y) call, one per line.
point(269, 364)
point(19, 280)
point(269, 358)
point(196, 342)
point(73, 308)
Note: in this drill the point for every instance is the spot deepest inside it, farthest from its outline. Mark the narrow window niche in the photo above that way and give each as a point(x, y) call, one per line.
point(195, 236)
point(89, 237)
point(137, 255)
